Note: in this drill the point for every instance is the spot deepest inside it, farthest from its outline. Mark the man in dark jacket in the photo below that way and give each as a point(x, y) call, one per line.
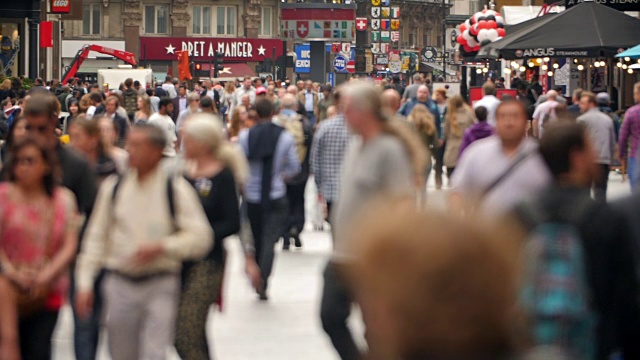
point(121, 124)
point(609, 250)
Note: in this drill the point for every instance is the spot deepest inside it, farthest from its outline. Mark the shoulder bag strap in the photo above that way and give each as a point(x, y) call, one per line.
point(514, 165)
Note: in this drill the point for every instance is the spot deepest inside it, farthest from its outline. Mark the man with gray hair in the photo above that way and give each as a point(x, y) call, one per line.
point(293, 90)
point(144, 225)
point(411, 91)
point(192, 108)
point(302, 132)
point(544, 114)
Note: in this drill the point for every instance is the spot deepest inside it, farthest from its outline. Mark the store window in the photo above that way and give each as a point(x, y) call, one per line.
point(201, 20)
point(90, 19)
point(9, 49)
point(266, 21)
point(156, 19)
point(225, 20)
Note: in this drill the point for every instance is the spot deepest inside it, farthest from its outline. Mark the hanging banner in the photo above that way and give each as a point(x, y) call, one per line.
point(46, 34)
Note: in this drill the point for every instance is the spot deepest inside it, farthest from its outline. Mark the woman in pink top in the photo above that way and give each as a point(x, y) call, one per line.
point(38, 239)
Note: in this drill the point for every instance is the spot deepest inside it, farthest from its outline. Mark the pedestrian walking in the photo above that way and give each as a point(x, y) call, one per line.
point(411, 91)
point(423, 97)
point(86, 138)
point(629, 139)
point(245, 89)
point(214, 169)
point(328, 150)
point(459, 117)
point(602, 135)
point(164, 121)
point(144, 225)
point(302, 133)
point(381, 160)
point(580, 287)
point(192, 108)
point(309, 98)
point(496, 173)
point(325, 103)
point(489, 101)
point(545, 113)
point(477, 131)
point(122, 124)
point(425, 127)
point(144, 109)
point(272, 156)
point(38, 241)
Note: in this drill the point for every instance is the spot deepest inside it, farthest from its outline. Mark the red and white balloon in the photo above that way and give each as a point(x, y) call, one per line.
point(481, 29)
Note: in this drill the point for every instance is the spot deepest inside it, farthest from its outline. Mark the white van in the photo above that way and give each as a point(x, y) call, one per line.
point(114, 77)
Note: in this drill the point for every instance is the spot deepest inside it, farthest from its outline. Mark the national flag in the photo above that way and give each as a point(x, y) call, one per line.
point(375, 2)
point(385, 24)
point(335, 48)
point(336, 34)
point(385, 12)
point(336, 25)
point(375, 36)
point(46, 34)
point(395, 12)
point(395, 24)
point(343, 35)
point(302, 28)
point(375, 24)
point(317, 25)
point(361, 24)
point(385, 36)
point(345, 25)
point(386, 2)
point(183, 65)
point(384, 48)
point(327, 25)
point(395, 36)
point(327, 33)
point(375, 12)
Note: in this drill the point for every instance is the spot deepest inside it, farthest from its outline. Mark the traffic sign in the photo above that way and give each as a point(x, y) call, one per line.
point(340, 63)
point(351, 66)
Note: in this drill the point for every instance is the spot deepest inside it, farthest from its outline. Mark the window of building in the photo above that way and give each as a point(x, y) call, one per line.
point(266, 18)
point(474, 6)
point(201, 20)
point(91, 19)
point(226, 20)
point(412, 39)
point(156, 19)
point(426, 39)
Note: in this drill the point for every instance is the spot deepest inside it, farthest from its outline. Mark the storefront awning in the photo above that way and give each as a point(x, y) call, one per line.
point(232, 72)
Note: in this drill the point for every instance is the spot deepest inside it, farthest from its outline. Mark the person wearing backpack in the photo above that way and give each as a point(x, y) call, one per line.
point(580, 288)
point(544, 114)
point(130, 97)
point(301, 130)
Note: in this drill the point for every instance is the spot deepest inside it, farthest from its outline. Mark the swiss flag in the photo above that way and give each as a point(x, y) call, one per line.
point(302, 28)
point(361, 24)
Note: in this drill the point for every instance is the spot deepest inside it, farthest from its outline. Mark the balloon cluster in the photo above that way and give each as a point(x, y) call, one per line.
point(479, 30)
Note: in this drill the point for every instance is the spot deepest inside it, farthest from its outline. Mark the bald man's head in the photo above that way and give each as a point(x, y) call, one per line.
point(552, 95)
point(391, 100)
point(293, 90)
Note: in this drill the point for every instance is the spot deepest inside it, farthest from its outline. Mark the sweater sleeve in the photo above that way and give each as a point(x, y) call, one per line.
point(624, 137)
point(229, 207)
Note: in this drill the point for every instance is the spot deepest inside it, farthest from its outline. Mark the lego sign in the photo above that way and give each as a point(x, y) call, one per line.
point(60, 6)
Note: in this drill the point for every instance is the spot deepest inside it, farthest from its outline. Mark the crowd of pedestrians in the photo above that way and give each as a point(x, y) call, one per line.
point(118, 202)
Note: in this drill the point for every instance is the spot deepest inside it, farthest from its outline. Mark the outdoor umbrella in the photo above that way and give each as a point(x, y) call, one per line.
point(633, 53)
point(586, 30)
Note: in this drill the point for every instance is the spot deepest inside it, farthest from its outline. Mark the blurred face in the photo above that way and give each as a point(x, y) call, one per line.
point(107, 131)
point(244, 114)
point(192, 148)
point(423, 94)
point(308, 85)
point(142, 154)
point(81, 140)
point(355, 117)
point(300, 85)
point(440, 98)
point(73, 109)
point(111, 106)
point(270, 91)
point(30, 167)
point(511, 123)
point(20, 131)
point(41, 128)
point(169, 108)
point(246, 101)
point(140, 104)
point(585, 104)
point(182, 92)
point(247, 83)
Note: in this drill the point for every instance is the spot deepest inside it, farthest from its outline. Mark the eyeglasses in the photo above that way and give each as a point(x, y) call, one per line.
point(41, 129)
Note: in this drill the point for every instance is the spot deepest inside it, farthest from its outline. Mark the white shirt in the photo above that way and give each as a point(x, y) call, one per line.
point(169, 88)
point(546, 108)
point(484, 161)
point(183, 104)
point(169, 127)
point(308, 101)
point(491, 103)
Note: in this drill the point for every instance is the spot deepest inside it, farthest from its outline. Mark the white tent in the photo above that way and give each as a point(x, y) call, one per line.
point(516, 14)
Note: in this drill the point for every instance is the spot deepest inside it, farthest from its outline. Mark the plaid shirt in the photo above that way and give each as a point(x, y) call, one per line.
point(630, 128)
point(327, 154)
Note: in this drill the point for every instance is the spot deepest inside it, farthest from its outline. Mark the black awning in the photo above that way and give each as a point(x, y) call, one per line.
point(585, 30)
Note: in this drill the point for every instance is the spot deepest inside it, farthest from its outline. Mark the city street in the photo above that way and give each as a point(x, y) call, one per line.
point(287, 326)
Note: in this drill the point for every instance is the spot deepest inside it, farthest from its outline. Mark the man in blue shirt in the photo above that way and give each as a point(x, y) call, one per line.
point(423, 97)
point(272, 156)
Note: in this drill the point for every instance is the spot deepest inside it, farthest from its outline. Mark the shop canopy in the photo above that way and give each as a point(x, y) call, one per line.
point(587, 30)
point(633, 53)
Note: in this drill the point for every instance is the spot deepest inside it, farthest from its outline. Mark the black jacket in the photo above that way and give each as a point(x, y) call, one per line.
point(610, 257)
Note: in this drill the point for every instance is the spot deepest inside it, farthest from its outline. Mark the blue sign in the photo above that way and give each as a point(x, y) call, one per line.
point(303, 57)
point(340, 63)
point(331, 79)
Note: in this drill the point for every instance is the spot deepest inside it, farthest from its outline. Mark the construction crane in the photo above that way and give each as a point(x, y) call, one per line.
point(83, 53)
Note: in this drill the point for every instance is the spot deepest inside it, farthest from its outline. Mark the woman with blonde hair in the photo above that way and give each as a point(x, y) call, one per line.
point(84, 104)
point(144, 109)
point(424, 124)
point(5, 89)
point(215, 169)
point(459, 117)
point(236, 123)
point(227, 99)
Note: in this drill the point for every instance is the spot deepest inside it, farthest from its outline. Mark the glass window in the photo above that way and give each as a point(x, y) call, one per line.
point(156, 19)
point(265, 21)
point(226, 20)
point(197, 20)
point(91, 19)
point(206, 20)
point(220, 24)
point(231, 20)
point(201, 20)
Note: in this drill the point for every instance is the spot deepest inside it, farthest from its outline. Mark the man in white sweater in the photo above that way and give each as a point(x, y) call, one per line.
point(144, 225)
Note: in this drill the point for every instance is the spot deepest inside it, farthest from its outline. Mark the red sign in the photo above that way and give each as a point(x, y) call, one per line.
point(166, 48)
point(46, 34)
point(361, 24)
point(475, 94)
point(351, 66)
point(302, 28)
point(60, 6)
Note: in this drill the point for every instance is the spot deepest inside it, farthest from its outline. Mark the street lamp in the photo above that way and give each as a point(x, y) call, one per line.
point(580, 67)
point(507, 71)
point(556, 65)
point(523, 69)
point(550, 73)
point(478, 71)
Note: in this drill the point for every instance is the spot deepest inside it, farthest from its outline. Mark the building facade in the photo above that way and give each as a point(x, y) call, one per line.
point(245, 31)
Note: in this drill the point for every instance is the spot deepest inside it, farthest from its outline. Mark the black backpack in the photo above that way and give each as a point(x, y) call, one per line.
point(170, 197)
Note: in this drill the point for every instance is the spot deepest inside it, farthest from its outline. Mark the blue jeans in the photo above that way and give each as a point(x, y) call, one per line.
point(87, 331)
point(312, 118)
point(632, 165)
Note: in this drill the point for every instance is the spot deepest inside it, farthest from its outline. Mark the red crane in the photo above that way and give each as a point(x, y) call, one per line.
point(83, 53)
